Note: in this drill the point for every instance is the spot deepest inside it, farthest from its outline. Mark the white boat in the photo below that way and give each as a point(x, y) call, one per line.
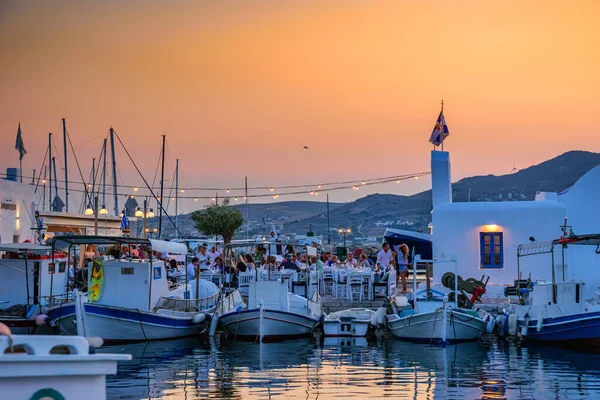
point(128, 300)
point(53, 367)
point(29, 276)
point(354, 322)
point(554, 312)
point(434, 319)
point(437, 323)
point(273, 313)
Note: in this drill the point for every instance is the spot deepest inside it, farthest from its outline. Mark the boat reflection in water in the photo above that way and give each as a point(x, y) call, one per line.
point(351, 367)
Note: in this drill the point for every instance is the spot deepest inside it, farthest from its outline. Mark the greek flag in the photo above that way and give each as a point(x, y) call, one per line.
point(19, 145)
point(440, 130)
point(124, 222)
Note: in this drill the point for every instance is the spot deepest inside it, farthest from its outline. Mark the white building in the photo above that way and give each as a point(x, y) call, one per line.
point(17, 210)
point(484, 236)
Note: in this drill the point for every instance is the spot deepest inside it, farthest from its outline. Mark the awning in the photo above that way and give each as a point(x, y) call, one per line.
point(64, 242)
point(23, 247)
point(163, 246)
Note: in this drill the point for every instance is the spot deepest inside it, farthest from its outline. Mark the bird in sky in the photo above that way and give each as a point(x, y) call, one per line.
point(306, 147)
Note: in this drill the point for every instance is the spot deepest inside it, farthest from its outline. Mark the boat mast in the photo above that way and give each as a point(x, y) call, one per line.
point(55, 178)
point(162, 181)
point(49, 171)
point(176, 195)
point(64, 124)
point(247, 207)
point(114, 170)
point(104, 175)
point(44, 191)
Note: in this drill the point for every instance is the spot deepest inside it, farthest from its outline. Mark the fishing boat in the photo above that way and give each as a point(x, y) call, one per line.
point(433, 318)
point(29, 277)
point(273, 313)
point(131, 299)
point(53, 367)
point(353, 322)
point(555, 312)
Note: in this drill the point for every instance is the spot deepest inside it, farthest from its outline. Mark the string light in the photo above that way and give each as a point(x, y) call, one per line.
point(172, 198)
point(196, 199)
point(213, 199)
point(182, 190)
point(236, 199)
point(132, 197)
point(416, 178)
point(311, 192)
point(317, 193)
point(89, 184)
point(227, 190)
point(245, 197)
point(319, 186)
point(397, 180)
point(135, 188)
point(364, 183)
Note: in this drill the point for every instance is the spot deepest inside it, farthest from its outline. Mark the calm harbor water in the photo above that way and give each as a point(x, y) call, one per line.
point(352, 368)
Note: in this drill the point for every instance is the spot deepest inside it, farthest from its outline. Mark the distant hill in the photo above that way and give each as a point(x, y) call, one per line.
point(370, 215)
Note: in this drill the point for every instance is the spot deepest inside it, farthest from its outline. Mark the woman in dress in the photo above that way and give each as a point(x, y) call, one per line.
point(402, 265)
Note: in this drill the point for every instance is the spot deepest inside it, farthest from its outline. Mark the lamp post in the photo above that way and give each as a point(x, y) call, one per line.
point(344, 232)
point(92, 209)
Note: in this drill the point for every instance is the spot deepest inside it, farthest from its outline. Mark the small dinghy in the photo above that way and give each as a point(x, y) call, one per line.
point(354, 322)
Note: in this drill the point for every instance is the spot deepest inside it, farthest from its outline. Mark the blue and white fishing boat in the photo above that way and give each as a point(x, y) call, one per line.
point(131, 299)
point(555, 311)
point(273, 313)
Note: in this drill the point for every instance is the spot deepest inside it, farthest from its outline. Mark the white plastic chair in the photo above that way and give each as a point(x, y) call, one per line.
point(355, 286)
point(244, 279)
point(341, 284)
point(328, 282)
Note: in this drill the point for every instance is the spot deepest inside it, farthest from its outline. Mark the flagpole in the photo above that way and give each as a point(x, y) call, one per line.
point(21, 167)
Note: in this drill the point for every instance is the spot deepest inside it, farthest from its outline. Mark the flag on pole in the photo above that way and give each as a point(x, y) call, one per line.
point(19, 145)
point(124, 222)
point(440, 130)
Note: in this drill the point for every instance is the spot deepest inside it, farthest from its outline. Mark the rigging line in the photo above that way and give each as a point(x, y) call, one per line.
point(315, 185)
point(57, 155)
point(76, 159)
point(41, 169)
point(171, 190)
point(89, 141)
point(146, 182)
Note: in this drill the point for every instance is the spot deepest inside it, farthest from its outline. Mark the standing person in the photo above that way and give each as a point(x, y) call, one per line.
point(203, 257)
point(213, 253)
point(385, 257)
point(402, 265)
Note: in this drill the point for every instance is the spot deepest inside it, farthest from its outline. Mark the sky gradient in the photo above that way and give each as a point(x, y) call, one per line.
point(240, 87)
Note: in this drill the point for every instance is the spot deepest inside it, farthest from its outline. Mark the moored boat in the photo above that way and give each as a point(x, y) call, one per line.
point(352, 322)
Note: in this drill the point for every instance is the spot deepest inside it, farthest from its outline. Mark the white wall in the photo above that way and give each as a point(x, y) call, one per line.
point(441, 180)
point(16, 222)
point(456, 229)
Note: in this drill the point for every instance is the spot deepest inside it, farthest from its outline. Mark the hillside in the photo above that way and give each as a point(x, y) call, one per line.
point(370, 215)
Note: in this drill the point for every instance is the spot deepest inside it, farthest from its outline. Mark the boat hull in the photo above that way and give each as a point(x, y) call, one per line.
point(354, 328)
point(578, 329)
point(277, 325)
point(429, 326)
point(116, 324)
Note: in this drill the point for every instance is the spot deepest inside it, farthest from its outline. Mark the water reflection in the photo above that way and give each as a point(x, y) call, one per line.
point(352, 368)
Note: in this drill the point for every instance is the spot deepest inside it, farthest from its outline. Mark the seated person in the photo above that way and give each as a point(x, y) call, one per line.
point(192, 268)
point(289, 264)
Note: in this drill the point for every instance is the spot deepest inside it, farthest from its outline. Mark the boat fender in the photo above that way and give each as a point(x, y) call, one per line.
point(540, 322)
point(199, 318)
point(525, 327)
point(379, 316)
point(41, 320)
point(513, 324)
point(214, 323)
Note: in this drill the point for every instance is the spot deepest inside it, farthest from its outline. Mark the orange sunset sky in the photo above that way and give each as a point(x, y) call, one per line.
point(239, 87)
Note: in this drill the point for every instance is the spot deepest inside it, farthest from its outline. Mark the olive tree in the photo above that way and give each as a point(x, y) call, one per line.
point(218, 220)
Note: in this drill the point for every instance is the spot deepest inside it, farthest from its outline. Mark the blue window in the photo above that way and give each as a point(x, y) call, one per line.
point(491, 250)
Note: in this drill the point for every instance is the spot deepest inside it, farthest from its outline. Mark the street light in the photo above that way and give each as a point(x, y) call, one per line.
point(344, 231)
point(145, 214)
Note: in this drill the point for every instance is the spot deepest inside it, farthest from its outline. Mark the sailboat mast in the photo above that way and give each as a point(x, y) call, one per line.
point(104, 175)
point(55, 179)
point(64, 124)
point(44, 191)
point(162, 181)
point(114, 170)
point(176, 196)
point(50, 172)
point(247, 206)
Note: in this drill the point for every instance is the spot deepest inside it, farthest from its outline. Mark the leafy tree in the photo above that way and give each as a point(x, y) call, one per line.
point(218, 219)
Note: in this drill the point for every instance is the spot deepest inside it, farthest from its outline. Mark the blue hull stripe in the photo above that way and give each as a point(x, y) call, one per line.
point(122, 313)
point(570, 327)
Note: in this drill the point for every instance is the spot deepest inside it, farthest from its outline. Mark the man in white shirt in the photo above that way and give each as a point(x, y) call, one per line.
point(191, 268)
point(384, 257)
point(203, 258)
point(350, 261)
point(213, 253)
